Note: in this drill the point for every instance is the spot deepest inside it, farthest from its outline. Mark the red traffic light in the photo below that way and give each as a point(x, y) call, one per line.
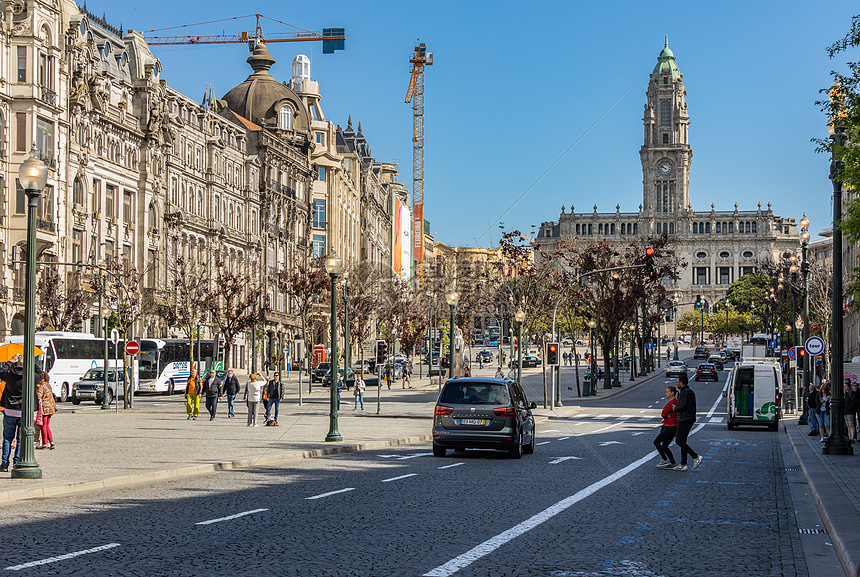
point(649, 251)
point(552, 348)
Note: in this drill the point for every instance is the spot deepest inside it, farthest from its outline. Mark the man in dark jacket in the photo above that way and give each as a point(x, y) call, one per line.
point(212, 390)
point(813, 403)
point(274, 392)
point(13, 374)
point(686, 410)
point(231, 389)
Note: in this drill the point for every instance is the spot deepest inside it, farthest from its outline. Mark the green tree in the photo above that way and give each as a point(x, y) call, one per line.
point(748, 290)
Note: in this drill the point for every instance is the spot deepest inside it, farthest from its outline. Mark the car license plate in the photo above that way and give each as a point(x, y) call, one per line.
point(85, 393)
point(472, 421)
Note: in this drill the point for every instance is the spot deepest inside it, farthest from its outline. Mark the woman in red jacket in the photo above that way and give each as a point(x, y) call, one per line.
point(668, 430)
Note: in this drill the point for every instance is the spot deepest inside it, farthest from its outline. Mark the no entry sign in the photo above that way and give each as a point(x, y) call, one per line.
point(132, 347)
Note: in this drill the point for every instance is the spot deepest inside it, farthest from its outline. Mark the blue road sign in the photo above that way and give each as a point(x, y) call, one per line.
point(814, 345)
point(792, 353)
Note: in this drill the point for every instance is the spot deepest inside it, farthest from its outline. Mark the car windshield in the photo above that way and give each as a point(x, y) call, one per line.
point(706, 367)
point(466, 393)
point(324, 366)
point(98, 375)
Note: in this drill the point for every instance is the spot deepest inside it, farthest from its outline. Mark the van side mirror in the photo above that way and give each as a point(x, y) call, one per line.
point(532, 405)
point(725, 393)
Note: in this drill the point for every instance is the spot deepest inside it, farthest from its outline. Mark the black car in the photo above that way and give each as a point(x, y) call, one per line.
point(701, 353)
point(717, 361)
point(370, 380)
point(484, 357)
point(320, 372)
point(529, 361)
point(483, 414)
point(707, 371)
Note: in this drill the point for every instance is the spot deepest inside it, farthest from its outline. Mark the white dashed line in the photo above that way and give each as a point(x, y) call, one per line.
point(716, 420)
point(551, 431)
point(61, 557)
point(607, 428)
point(625, 417)
point(602, 416)
point(413, 456)
point(236, 516)
point(563, 438)
point(544, 443)
point(330, 493)
point(400, 477)
point(449, 466)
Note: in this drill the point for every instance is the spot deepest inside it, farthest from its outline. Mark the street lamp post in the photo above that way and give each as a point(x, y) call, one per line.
point(804, 270)
point(32, 176)
point(105, 314)
point(347, 349)
point(452, 297)
point(632, 364)
point(333, 266)
point(836, 443)
point(591, 383)
point(520, 316)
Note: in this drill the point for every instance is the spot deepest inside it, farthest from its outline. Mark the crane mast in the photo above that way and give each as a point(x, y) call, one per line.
point(419, 58)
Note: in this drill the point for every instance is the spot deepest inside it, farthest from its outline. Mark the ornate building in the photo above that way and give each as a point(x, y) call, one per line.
point(718, 246)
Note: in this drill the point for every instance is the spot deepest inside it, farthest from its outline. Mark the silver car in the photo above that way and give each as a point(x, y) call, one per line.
point(483, 414)
point(676, 368)
point(91, 386)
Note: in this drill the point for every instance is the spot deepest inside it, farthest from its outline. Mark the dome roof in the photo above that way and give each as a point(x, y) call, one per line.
point(260, 97)
point(666, 63)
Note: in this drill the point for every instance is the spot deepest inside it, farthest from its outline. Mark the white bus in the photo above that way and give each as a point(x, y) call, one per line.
point(68, 356)
point(164, 364)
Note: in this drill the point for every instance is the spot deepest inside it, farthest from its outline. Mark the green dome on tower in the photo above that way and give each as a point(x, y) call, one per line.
point(666, 63)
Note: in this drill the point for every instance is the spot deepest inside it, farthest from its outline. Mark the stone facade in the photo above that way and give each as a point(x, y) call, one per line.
point(718, 246)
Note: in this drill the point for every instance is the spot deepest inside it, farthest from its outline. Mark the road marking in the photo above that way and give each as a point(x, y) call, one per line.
point(602, 416)
point(61, 557)
point(562, 459)
point(413, 456)
point(400, 477)
point(609, 427)
point(544, 443)
point(236, 516)
point(551, 431)
point(607, 443)
point(330, 493)
point(493, 543)
point(387, 456)
point(639, 433)
point(642, 411)
point(563, 438)
point(716, 420)
point(625, 417)
point(449, 466)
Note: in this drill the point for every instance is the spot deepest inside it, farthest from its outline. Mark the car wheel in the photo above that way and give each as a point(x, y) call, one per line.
point(64, 393)
point(530, 448)
point(170, 388)
point(76, 401)
point(439, 451)
point(516, 451)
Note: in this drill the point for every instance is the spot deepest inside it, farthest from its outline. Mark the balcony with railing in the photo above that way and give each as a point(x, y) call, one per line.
point(48, 96)
point(18, 294)
point(46, 225)
point(49, 160)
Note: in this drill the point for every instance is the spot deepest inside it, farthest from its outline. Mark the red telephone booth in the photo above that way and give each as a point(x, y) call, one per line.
point(319, 354)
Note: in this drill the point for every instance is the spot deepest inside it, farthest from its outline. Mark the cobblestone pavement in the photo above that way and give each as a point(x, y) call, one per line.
point(589, 502)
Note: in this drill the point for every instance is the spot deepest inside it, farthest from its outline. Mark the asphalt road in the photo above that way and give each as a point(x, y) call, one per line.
point(589, 502)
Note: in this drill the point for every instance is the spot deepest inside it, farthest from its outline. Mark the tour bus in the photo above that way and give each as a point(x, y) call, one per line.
point(68, 356)
point(164, 363)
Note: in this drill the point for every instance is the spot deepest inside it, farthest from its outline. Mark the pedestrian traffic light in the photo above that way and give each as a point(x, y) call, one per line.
point(801, 353)
point(649, 259)
point(552, 354)
point(698, 301)
point(381, 351)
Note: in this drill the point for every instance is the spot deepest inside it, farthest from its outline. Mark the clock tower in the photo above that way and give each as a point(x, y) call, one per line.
point(666, 153)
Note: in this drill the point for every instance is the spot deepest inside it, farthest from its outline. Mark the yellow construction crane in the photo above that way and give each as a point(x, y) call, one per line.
point(419, 58)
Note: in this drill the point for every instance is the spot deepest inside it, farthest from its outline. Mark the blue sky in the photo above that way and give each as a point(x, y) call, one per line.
point(516, 83)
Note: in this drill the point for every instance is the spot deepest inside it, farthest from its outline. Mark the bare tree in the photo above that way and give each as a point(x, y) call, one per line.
point(59, 307)
point(187, 300)
point(234, 304)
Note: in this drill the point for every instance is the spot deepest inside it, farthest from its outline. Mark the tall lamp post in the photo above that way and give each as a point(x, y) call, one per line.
point(836, 443)
point(520, 316)
point(333, 266)
point(804, 273)
point(632, 365)
point(32, 175)
point(451, 298)
point(591, 383)
point(347, 349)
point(105, 314)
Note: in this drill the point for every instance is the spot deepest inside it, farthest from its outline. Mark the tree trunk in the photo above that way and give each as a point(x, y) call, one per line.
point(576, 361)
point(607, 358)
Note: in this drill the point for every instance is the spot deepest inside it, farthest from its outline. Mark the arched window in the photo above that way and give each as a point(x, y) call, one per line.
point(285, 118)
point(753, 227)
point(635, 228)
point(577, 229)
point(695, 228)
point(77, 192)
point(665, 113)
point(671, 228)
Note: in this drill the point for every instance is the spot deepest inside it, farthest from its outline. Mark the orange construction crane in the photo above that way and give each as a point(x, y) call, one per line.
point(332, 38)
point(419, 58)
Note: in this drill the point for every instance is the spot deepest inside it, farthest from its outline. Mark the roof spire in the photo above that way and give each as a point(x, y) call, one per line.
point(349, 121)
point(666, 44)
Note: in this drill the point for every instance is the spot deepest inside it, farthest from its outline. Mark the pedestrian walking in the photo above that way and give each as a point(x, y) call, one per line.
point(481, 361)
point(12, 373)
point(824, 412)
point(274, 392)
point(686, 412)
point(212, 391)
point(48, 408)
point(812, 402)
point(499, 373)
point(389, 374)
point(850, 410)
point(192, 395)
point(667, 430)
point(339, 388)
point(231, 389)
point(253, 394)
point(407, 376)
point(512, 374)
point(668, 354)
point(467, 372)
point(358, 390)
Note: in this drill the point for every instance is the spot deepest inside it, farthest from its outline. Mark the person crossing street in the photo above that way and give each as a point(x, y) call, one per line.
point(686, 411)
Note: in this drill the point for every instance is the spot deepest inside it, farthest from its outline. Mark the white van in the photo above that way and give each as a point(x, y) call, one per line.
point(754, 393)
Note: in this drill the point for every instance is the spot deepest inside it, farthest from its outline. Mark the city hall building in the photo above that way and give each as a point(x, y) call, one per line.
point(718, 246)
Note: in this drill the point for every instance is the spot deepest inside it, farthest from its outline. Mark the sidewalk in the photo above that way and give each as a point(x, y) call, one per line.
point(833, 482)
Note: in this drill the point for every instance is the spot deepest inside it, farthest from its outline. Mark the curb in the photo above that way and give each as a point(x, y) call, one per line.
point(66, 489)
point(833, 508)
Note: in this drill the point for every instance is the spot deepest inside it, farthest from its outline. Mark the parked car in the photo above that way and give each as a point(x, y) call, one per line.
point(484, 356)
point(676, 368)
point(368, 366)
point(528, 361)
point(370, 380)
point(717, 361)
point(91, 386)
point(701, 353)
point(707, 371)
point(320, 371)
point(483, 414)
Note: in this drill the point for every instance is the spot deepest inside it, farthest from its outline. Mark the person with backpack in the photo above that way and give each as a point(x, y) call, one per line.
point(212, 391)
point(274, 392)
point(48, 409)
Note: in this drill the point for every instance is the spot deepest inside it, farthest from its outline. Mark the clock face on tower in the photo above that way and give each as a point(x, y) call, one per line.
point(665, 168)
